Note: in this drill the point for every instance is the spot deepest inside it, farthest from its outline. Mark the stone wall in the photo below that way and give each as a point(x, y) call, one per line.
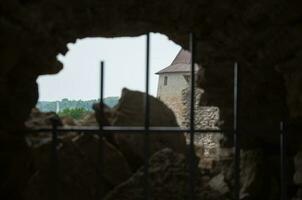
point(175, 104)
point(258, 35)
point(207, 144)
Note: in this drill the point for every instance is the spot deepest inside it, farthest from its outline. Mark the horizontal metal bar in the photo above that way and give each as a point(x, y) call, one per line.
point(121, 129)
point(125, 129)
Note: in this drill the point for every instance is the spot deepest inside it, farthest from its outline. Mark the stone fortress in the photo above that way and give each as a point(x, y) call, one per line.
point(174, 91)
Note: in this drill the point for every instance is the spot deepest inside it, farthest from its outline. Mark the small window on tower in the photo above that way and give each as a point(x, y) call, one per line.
point(166, 80)
point(187, 78)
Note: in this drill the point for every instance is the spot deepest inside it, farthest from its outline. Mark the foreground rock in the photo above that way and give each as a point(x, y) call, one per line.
point(88, 120)
point(298, 175)
point(169, 180)
point(263, 46)
point(130, 112)
point(38, 119)
point(257, 181)
point(77, 170)
point(15, 168)
point(298, 168)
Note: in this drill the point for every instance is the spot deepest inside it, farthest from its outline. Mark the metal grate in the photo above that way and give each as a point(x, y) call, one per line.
point(147, 130)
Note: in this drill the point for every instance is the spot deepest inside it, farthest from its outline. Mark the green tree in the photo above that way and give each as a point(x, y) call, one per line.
point(75, 113)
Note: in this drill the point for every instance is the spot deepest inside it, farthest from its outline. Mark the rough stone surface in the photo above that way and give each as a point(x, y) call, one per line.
point(218, 184)
point(262, 46)
point(256, 180)
point(77, 167)
point(207, 145)
point(130, 112)
point(68, 121)
point(14, 170)
point(169, 179)
point(298, 195)
point(176, 105)
point(38, 119)
point(89, 120)
point(264, 37)
point(298, 169)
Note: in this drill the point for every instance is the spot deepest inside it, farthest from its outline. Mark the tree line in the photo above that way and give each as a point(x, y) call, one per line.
point(85, 105)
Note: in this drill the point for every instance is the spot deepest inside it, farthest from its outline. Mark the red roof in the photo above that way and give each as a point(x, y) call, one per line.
point(180, 64)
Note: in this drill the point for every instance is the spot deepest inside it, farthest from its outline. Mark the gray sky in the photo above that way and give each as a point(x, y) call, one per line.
point(124, 67)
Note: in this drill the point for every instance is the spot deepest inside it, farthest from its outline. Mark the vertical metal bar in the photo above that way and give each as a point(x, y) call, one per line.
point(192, 119)
point(236, 134)
point(100, 169)
point(54, 161)
point(102, 81)
point(147, 122)
point(283, 176)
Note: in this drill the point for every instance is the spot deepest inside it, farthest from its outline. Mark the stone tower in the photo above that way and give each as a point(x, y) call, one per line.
point(173, 80)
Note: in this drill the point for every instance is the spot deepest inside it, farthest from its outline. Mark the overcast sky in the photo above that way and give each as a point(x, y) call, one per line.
point(124, 67)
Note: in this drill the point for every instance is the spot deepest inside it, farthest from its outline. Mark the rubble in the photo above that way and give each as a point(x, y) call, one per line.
point(169, 180)
point(130, 112)
point(78, 162)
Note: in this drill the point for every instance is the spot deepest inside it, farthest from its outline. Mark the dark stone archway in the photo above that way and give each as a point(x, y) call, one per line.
point(264, 37)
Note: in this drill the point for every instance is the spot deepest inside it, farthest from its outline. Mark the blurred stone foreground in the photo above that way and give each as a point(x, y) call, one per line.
point(123, 158)
point(78, 154)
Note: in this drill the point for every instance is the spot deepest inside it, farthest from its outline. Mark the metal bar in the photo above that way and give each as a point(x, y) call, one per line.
point(147, 122)
point(192, 119)
point(54, 162)
point(283, 158)
point(126, 129)
point(136, 129)
point(236, 134)
point(100, 169)
point(102, 82)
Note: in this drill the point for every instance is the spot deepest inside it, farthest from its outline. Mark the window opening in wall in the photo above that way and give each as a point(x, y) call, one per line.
point(165, 80)
point(70, 95)
point(101, 138)
point(74, 90)
point(187, 78)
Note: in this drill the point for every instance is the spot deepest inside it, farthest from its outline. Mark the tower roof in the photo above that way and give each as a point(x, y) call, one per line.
point(183, 57)
point(180, 64)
